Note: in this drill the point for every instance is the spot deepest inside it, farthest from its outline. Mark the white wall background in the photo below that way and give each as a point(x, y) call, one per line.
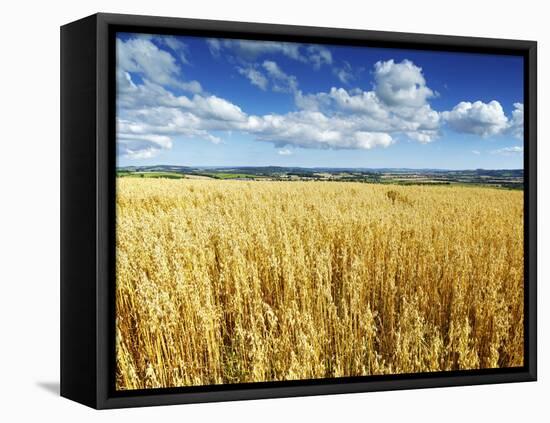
point(29, 231)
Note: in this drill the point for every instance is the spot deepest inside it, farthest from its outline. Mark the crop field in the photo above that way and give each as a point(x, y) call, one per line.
point(222, 281)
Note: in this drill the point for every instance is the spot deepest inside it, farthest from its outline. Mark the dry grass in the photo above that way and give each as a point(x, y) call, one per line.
point(234, 281)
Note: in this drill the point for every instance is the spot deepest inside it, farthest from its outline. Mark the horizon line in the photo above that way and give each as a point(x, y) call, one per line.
point(320, 167)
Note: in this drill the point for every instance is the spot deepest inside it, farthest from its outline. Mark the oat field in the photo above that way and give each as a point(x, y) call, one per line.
point(237, 281)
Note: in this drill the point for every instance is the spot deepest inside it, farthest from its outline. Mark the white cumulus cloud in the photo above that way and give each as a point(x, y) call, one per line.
point(319, 55)
point(401, 84)
point(176, 45)
point(311, 129)
point(281, 82)
point(365, 109)
point(255, 77)
point(483, 119)
point(338, 119)
point(142, 146)
point(285, 152)
point(251, 50)
point(151, 115)
point(141, 56)
point(345, 73)
point(516, 122)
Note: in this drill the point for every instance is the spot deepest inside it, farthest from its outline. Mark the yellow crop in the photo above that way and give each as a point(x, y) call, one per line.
point(236, 281)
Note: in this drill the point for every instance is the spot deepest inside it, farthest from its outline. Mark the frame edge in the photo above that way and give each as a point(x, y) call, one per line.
point(77, 212)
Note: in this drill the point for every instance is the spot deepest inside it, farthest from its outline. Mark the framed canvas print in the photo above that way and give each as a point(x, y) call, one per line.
point(255, 211)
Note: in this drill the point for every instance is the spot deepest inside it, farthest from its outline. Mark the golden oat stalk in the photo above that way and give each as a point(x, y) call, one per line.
point(234, 281)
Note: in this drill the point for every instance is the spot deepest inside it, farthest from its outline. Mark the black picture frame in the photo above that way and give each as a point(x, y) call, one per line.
point(88, 155)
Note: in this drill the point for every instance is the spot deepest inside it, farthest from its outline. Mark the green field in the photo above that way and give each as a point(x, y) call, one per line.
point(167, 175)
point(504, 179)
point(225, 175)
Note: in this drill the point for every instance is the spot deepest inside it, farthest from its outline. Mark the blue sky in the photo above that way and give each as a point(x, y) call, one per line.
point(219, 102)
